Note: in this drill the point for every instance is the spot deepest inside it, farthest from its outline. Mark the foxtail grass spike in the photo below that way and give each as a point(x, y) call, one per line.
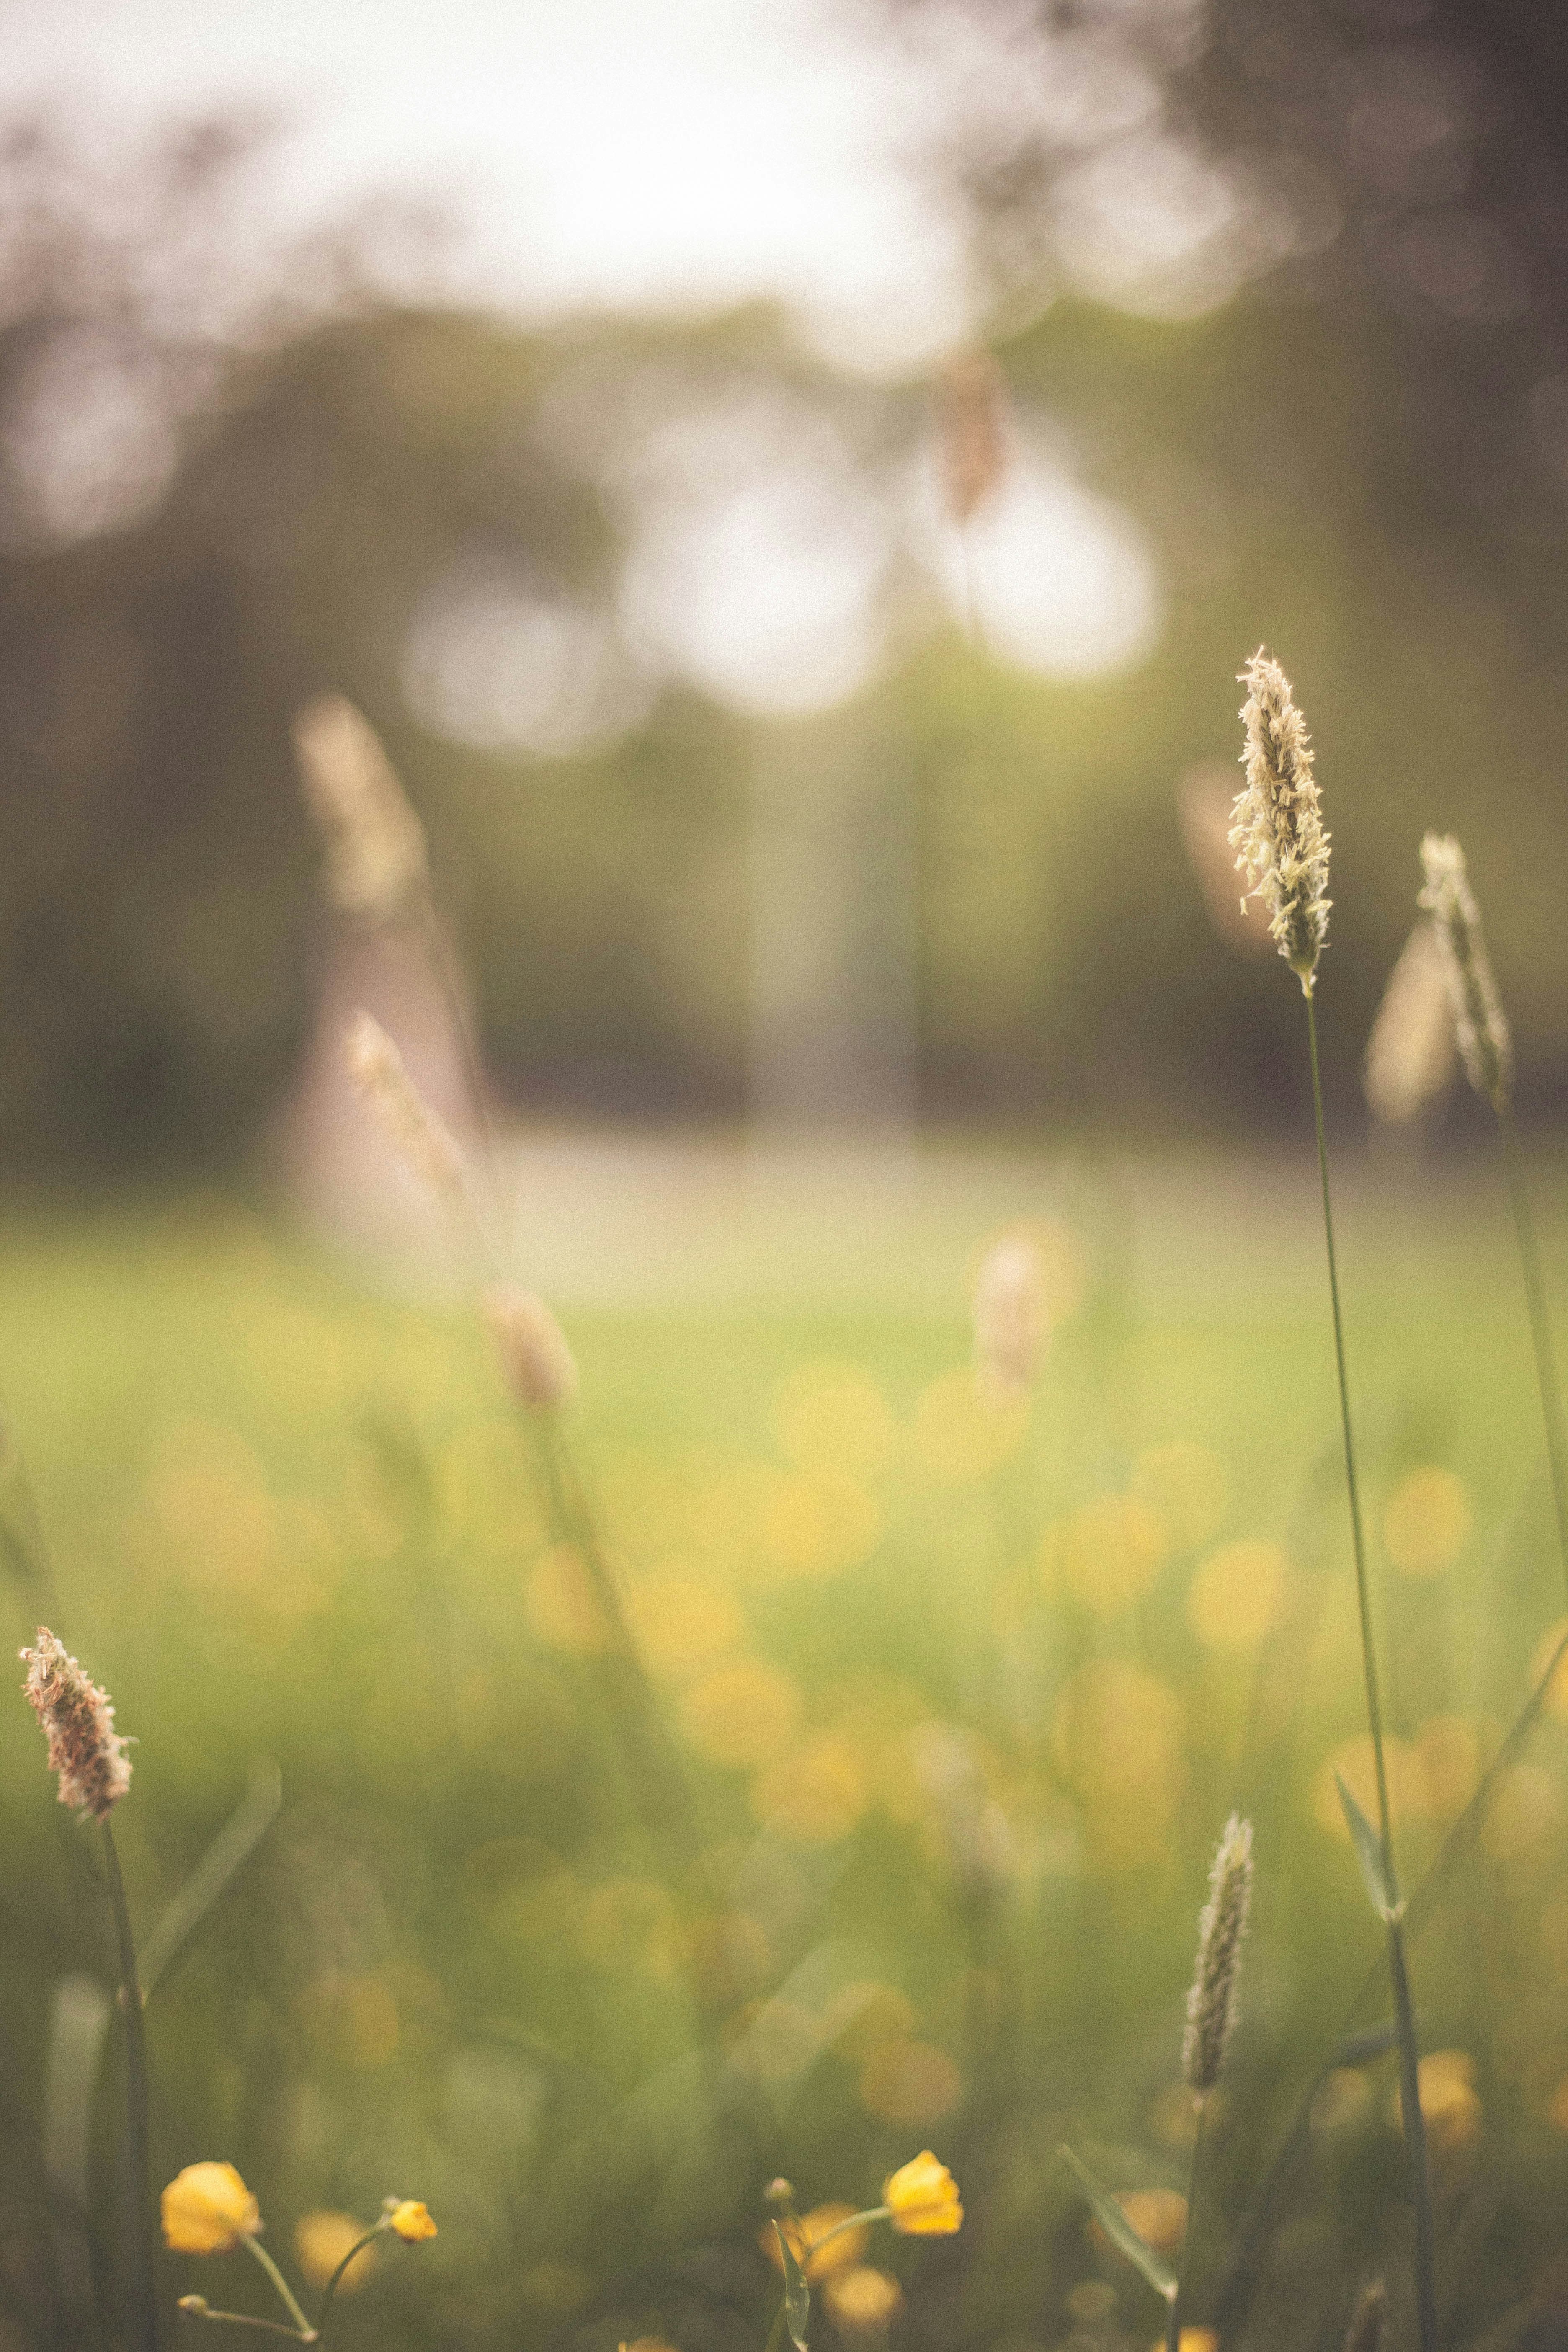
point(77, 1720)
point(374, 843)
point(972, 409)
point(1222, 1926)
point(1369, 2320)
point(1410, 1054)
point(1480, 1027)
point(1276, 830)
point(540, 1367)
point(1011, 1322)
point(406, 1120)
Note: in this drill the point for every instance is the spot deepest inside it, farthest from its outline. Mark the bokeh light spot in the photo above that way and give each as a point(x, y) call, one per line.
point(1426, 1521)
point(1233, 1597)
point(743, 1713)
point(965, 1427)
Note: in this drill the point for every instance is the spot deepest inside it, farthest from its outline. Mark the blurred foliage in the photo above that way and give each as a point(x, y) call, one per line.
point(1364, 475)
point(963, 1690)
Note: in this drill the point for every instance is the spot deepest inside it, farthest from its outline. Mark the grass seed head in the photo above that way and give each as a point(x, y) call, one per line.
point(1480, 1027)
point(540, 1367)
point(1369, 2320)
point(1410, 1053)
point(1011, 1322)
point(1276, 830)
point(77, 1720)
point(422, 1139)
point(374, 841)
point(973, 413)
point(1222, 1924)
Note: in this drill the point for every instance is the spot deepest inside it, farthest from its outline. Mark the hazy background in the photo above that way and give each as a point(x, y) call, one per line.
point(558, 383)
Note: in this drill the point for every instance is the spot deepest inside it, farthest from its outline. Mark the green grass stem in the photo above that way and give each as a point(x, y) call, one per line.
point(1399, 1975)
point(142, 2327)
point(1174, 2315)
point(1540, 1325)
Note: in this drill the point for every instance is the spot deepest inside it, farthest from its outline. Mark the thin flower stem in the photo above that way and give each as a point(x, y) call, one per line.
point(1174, 2316)
point(245, 2319)
point(1415, 2138)
point(1540, 1324)
point(1363, 1598)
point(658, 1783)
point(1404, 2021)
point(852, 2221)
point(369, 2239)
point(286, 2292)
point(143, 2299)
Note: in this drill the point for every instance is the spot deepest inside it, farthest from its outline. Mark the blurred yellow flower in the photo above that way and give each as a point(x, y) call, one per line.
point(745, 1713)
point(1105, 1555)
point(861, 2301)
point(1233, 1596)
point(322, 2240)
point(909, 2083)
point(1352, 1761)
point(817, 1523)
point(1118, 1738)
point(1159, 2216)
point(1426, 1521)
point(411, 2220)
point(807, 2232)
point(814, 1795)
point(828, 1415)
point(1450, 2103)
point(206, 2209)
point(1452, 1750)
point(965, 1428)
point(683, 1623)
point(922, 2197)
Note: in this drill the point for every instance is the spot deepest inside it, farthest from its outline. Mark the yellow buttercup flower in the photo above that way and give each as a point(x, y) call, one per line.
point(206, 2209)
point(922, 2197)
point(411, 2220)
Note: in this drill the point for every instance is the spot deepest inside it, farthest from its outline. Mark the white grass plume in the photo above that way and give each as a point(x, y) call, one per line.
point(1277, 832)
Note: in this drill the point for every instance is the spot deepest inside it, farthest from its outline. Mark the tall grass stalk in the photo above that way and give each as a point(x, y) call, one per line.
point(1398, 1970)
point(1539, 1322)
point(1173, 2314)
point(141, 2297)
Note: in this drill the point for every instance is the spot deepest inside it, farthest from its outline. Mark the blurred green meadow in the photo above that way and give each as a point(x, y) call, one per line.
point(962, 1688)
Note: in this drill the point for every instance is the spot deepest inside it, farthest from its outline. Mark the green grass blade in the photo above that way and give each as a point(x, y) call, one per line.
point(1119, 2229)
point(234, 1845)
point(1368, 1852)
point(797, 2293)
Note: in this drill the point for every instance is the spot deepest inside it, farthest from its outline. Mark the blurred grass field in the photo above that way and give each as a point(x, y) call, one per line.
point(963, 1692)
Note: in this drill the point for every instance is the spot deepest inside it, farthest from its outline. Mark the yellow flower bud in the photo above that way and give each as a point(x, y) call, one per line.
point(207, 2209)
point(922, 2197)
point(412, 2221)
